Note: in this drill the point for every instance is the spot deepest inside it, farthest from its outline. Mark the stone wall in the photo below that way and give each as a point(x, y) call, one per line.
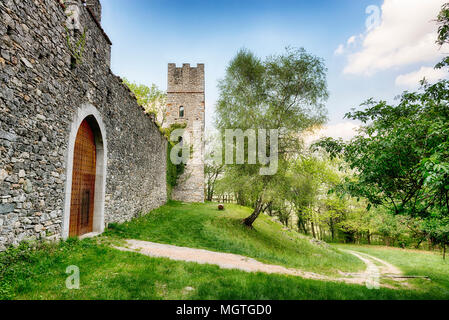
point(41, 91)
point(186, 88)
point(95, 6)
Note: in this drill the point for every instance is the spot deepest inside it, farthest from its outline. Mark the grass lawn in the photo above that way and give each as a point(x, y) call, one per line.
point(414, 263)
point(107, 273)
point(202, 226)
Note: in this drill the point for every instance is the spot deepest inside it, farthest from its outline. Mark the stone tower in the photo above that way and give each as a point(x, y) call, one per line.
point(186, 104)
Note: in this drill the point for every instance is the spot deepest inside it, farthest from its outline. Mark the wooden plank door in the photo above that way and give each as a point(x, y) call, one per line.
point(83, 182)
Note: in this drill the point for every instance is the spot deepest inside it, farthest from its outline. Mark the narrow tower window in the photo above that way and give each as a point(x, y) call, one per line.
point(181, 112)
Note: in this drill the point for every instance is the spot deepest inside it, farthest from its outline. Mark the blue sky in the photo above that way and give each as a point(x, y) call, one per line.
point(149, 34)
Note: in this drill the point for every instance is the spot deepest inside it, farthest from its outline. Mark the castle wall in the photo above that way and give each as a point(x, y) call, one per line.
point(186, 87)
point(40, 96)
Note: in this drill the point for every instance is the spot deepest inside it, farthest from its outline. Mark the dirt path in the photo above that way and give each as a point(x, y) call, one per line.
point(370, 277)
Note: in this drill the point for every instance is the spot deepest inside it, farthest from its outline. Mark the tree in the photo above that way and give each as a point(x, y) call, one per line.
point(443, 32)
point(303, 190)
point(306, 179)
point(213, 168)
point(358, 222)
point(437, 229)
point(401, 156)
point(284, 92)
point(151, 99)
point(390, 227)
point(212, 173)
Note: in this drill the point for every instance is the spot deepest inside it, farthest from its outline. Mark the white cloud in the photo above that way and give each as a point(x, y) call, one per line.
point(405, 35)
point(340, 50)
point(351, 42)
point(345, 130)
point(412, 79)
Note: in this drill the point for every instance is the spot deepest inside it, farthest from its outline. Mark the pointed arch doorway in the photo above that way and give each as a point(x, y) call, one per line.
point(83, 182)
point(86, 175)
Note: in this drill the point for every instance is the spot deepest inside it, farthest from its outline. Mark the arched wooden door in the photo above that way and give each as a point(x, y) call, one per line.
point(83, 182)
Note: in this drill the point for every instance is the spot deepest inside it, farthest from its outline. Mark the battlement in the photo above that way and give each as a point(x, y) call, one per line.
point(186, 78)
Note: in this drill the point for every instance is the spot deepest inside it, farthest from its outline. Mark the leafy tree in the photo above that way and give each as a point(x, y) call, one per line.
point(401, 155)
point(303, 190)
point(212, 173)
point(151, 99)
point(443, 32)
point(306, 179)
point(335, 211)
point(358, 222)
point(284, 91)
point(390, 227)
point(213, 168)
point(438, 230)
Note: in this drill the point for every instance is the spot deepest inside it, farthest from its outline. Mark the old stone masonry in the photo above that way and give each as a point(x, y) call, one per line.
point(77, 151)
point(185, 105)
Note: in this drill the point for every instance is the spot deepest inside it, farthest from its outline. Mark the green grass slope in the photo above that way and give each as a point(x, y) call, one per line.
point(106, 273)
point(203, 226)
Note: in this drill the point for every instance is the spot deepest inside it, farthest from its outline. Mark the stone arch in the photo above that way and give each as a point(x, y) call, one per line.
point(89, 113)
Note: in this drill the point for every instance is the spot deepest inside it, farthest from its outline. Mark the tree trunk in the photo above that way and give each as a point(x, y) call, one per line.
point(305, 227)
point(302, 226)
point(240, 200)
point(210, 193)
point(444, 251)
point(332, 229)
point(313, 230)
point(257, 210)
point(368, 236)
point(419, 243)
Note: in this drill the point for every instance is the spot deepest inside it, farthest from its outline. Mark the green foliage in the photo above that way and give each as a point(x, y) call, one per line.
point(390, 227)
point(359, 223)
point(174, 171)
point(212, 172)
point(151, 99)
point(443, 32)
point(401, 156)
point(285, 92)
point(437, 228)
point(306, 179)
point(76, 48)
